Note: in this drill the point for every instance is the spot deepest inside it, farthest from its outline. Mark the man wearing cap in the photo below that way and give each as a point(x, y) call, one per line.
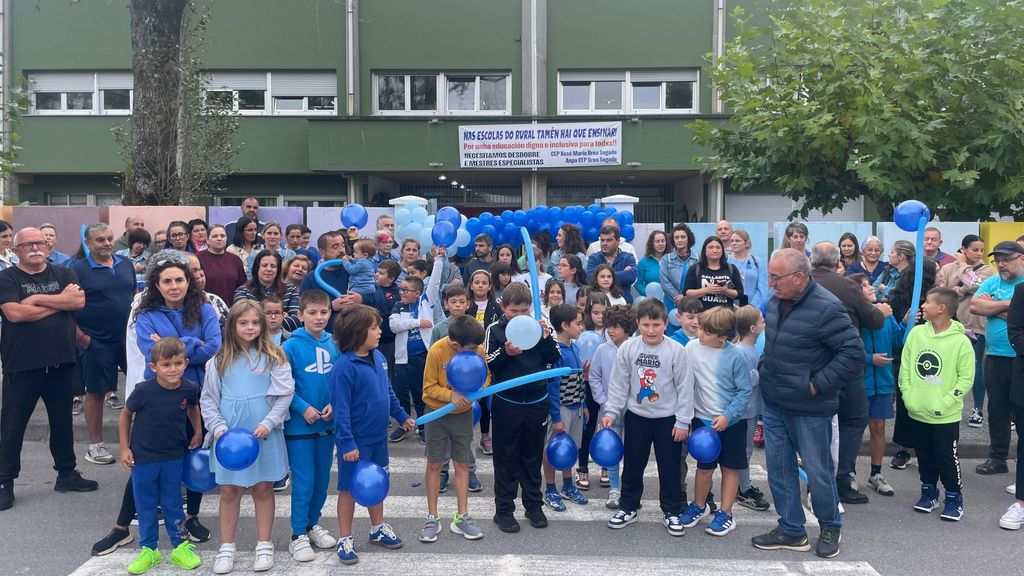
point(993, 300)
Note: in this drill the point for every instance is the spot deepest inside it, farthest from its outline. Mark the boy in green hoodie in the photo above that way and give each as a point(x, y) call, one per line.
point(936, 372)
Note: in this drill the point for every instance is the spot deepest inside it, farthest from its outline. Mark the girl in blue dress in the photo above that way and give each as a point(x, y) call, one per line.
point(248, 385)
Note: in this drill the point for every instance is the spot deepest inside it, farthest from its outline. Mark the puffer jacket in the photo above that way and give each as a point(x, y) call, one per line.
point(815, 343)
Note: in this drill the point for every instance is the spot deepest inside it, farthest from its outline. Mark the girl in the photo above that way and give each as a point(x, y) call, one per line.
point(246, 241)
point(484, 307)
point(501, 276)
point(604, 281)
point(713, 280)
point(248, 385)
point(582, 297)
point(197, 229)
point(7, 256)
point(570, 243)
point(749, 325)
point(508, 256)
point(849, 252)
point(177, 237)
point(593, 320)
point(796, 237)
point(554, 294)
point(272, 241)
point(593, 312)
point(648, 270)
point(753, 271)
point(361, 400)
point(295, 270)
point(265, 280)
point(572, 274)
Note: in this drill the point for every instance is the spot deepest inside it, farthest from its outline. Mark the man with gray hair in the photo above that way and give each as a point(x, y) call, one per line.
point(108, 281)
point(812, 351)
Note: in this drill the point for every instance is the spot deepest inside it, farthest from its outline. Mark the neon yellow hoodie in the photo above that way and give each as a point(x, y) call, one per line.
point(936, 371)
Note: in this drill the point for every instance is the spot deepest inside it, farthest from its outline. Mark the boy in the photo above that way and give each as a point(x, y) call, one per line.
point(936, 372)
point(410, 320)
point(653, 382)
point(156, 451)
point(451, 436)
point(384, 300)
point(518, 414)
point(566, 396)
point(721, 393)
point(308, 434)
point(273, 308)
point(361, 267)
point(688, 314)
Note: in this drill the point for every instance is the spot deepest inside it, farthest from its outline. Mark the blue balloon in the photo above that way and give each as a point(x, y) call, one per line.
point(705, 445)
point(473, 226)
point(354, 215)
point(466, 372)
point(419, 214)
point(606, 448)
point(450, 215)
point(628, 233)
point(591, 234)
point(654, 290)
point(195, 471)
point(520, 218)
point(908, 214)
point(571, 216)
point(510, 231)
point(465, 251)
point(490, 231)
point(370, 484)
point(627, 218)
point(476, 412)
point(523, 332)
point(443, 234)
point(237, 449)
point(610, 210)
point(507, 216)
point(595, 208)
point(555, 216)
point(588, 343)
point(588, 219)
point(561, 451)
point(486, 218)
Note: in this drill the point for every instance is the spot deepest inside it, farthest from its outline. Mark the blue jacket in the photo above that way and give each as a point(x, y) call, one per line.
point(624, 277)
point(648, 270)
point(201, 341)
point(362, 400)
point(672, 270)
point(311, 361)
point(880, 379)
point(570, 384)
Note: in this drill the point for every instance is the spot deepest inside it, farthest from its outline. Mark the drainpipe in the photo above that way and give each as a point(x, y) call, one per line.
point(350, 57)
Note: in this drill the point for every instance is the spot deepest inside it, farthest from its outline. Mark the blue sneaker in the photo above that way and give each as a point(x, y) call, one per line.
point(953, 510)
point(474, 483)
point(721, 525)
point(574, 495)
point(554, 501)
point(346, 551)
point(386, 537)
point(929, 499)
point(692, 515)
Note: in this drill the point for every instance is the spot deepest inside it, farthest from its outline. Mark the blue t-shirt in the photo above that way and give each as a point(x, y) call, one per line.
point(414, 345)
point(681, 337)
point(159, 429)
point(997, 343)
point(108, 298)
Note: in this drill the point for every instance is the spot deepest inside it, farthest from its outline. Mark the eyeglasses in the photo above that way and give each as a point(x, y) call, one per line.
point(999, 260)
point(404, 290)
point(274, 314)
point(31, 245)
point(178, 235)
point(775, 278)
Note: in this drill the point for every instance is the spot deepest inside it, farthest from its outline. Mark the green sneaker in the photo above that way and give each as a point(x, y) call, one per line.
point(185, 556)
point(146, 559)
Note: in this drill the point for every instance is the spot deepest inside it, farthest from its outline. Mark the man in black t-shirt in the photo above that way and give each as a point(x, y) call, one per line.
point(37, 346)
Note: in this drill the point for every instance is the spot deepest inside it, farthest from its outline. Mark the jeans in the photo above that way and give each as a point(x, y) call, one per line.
point(853, 421)
point(409, 380)
point(998, 374)
point(785, 436)
point(159, 483)
point(978, 390)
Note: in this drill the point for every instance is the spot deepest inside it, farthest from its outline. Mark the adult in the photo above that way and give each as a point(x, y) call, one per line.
point(195, 266)
point(250, 209)
point(849, 252)
point(648, 270)
point(1013, 519)
point(713, 280)
point(409, 253)
point(932, 245)
point(272, 238)
point(853, 401)
point(753, 271)
point(723, 230)
point(992, 300)
point(795, 236)
point(56, 257)
point(386, 222)
point(130, 223)
point(178, 237)
point(265, 281)
point(483, 257)
point(332, 245)
point(246, 240)
point(197, 231)
point(623, 264)
point(570, 241)
point(870, 263)
point(901, 257)
point(964, 276)
point(294, 269)
point(812, 351)
point(224, 270)
point(8, 257)
point(676, 264)
point(595, 246)
point(108, 281)
point(506, 255)
point(37, 346)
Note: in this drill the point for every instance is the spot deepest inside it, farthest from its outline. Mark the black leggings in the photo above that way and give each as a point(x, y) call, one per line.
point(127, 512)
point(589, 427)
point(485, 415)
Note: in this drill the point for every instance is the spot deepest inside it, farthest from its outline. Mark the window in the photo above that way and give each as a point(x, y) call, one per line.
point(252, 99)
point(220, 99)
point(117, 100)
point(417, 94)
point(83, 199)
point(628, 92)
point(48, 101)
point(81, 92)
point(307, 93)
point(242, 92)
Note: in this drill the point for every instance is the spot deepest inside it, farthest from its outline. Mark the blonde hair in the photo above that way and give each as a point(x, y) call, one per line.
point(746, 318)
point(720, 321)
point(232, 346)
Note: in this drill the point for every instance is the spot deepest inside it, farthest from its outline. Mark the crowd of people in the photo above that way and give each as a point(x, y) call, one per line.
point(220, 327)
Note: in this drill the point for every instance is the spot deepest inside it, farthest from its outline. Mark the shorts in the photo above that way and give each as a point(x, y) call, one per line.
point(454, 431)
point(734, 446)
point(572, 417)
point(880, 407)
point(100, 362)
point(376, 453)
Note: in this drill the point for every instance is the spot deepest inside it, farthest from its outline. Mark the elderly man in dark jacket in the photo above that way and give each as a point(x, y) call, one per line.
point(812, 351)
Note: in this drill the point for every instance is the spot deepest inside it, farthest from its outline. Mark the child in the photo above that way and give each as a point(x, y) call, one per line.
point(519, 413)
point(593, 312)
point(483, 306)
point(138, 242)
point(653, 383)
point(308, 436)
point(273, 308)
point(451, 436)
point(248, 385)
point(936, 372)
point(582, 297)
point(542, 275)
point(572, 275)
point(154, 456)
point(501, 276)
point(604, 281)
point(411, 325)
point(384, 301)
point(361, 401)
point(688, 314)
point(566, 396)
point(360, 267)
point(749, 326)
point(620, 324)
point(553, 295)
point(721, 395)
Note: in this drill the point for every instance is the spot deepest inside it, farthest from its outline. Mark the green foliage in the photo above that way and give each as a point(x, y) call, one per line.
point(887, 99)
point(17, 103)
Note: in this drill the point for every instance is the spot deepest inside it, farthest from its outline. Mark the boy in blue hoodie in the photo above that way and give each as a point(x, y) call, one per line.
point(308, 434)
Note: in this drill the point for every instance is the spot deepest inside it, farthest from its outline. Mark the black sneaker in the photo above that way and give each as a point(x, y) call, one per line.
point(443, 487)
point(506, 523)
point(752, 498)
point(847, 493)
point(992, 466)
point(422, 435)
point(282, 484)
point(73, 482)
point(828, 543)
point(537, 518)
point(112, 541)
point(398, 434)
point(6, 495)
point(710, 502)
point(196, 531)
point(900, 460)
point(776, 540)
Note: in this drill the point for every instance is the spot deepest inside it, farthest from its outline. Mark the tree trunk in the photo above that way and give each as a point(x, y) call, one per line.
point(156, 46)
point(884, 206)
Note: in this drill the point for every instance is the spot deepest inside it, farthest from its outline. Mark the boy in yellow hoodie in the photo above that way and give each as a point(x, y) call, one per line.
point(451, 433)
point(936, 372)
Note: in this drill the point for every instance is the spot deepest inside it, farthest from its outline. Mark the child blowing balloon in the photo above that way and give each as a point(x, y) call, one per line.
point(362, 400)
point(248, 385)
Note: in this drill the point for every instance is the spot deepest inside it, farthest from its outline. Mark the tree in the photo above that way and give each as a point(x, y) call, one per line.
point(887, 99)
point(177, 149)
point(17, 102)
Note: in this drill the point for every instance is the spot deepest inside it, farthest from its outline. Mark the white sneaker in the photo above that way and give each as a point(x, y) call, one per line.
point(321, 538)
point(613, 500)
point(264, 556)
point(1011, 489)
point(880, 485)
point(225, 561)
point(301, 550)
point(99, 454)
point(1014, 517)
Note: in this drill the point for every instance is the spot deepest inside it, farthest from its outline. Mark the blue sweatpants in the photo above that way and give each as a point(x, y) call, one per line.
point(310, 460)
point(159, 483)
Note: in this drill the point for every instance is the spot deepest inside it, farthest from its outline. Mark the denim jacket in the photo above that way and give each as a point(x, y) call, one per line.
point(673, 272)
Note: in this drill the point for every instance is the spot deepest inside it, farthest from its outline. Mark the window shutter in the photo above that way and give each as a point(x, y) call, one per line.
point(757, 207)
point(663, 75)
point(236, 80)
point(115, 80)
point(304, 84)
point(62, 81)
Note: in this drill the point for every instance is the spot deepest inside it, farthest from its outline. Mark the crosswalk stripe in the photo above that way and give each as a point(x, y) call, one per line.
point(385, 563)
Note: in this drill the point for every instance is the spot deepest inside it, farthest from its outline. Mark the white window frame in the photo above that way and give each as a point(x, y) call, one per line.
point(97, 100)
point(628, 77)
point(441, 108)
point(267, 110)
point(117, 111)
point(64, 111)
point(305, 107)
point(90, 198)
